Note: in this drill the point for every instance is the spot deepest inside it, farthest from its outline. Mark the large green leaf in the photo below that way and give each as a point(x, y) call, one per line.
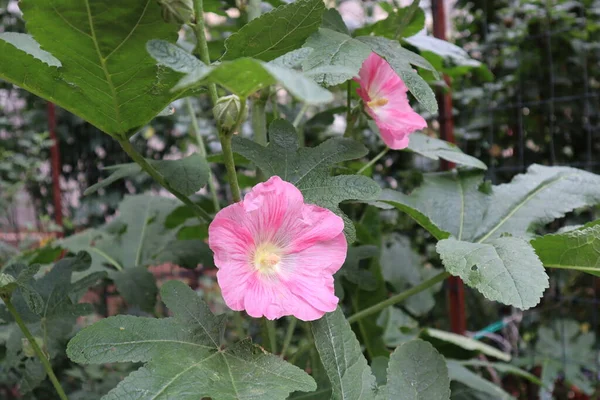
point(346, 367)
point(245, 76)
point(402, 60)
point(105, 75)
point(578, 249)
point(448, 203)
point(184, 355)
point(443, 49)
point(435, 149)
point(186, 175)
point(136, 240)
point(538, 197)
point(504, 269)
point(414, 22)
point(333, 50)
point(51, 321)
point(277, 32)
point(308, 168)
point(417, 371)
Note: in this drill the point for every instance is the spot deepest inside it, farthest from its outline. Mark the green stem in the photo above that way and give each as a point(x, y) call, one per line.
point(373, 161)
point(398, 298)
point(288, 335)
point(259, 121)
point(149, 169)
point(45, 362)
point(269, 335)
point(202, 46)
point(230, 166)
point(351, 120)
point(298, 118)
point(202, 150)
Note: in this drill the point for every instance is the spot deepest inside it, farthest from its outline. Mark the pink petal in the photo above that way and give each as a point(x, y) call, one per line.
point(315, 224)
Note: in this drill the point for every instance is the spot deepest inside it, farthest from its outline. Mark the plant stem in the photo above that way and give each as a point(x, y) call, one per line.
point(259, 121)
point(298, 118)
point(150, 170)
point(373, 161)
point(398, 298)
point(269, 335)
point(202, 150)
point(202, 46)
point(45, 362)
point(288, 335)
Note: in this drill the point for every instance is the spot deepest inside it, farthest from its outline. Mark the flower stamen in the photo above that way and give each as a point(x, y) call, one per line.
point(267, 259)
point(378, 102)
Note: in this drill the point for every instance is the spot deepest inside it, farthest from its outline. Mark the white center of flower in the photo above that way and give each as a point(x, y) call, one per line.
point(267, 259)
point(377, 102)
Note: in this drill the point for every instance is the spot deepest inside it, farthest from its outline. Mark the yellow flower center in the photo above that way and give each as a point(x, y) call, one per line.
point(267, 259)
point(377, 102)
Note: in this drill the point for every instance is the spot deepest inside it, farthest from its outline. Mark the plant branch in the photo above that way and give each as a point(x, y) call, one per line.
point(269, 335)
point(373, 161)
point(202, 46)
point(399, 297)
point(44, 360)
point(202, 150)
point(150, 170)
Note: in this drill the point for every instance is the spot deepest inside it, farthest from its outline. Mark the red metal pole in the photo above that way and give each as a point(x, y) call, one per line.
point(456, 288)
point(55, 162)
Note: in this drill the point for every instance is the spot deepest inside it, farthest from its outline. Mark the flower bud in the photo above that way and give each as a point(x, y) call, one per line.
point(227, 111)
point(177, 11)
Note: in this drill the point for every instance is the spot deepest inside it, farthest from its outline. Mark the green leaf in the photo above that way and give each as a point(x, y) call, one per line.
point(417, 371)
point(389, 26)
point(352, 271)
point(346, 367)
point(435, 149)
point(536, 198)
point(173, 56)
point(504, 269)
point(578, 249)
point(51, 321)
point(246, 76)
point(398, 327)
point(333, 20)
point(449, 203)
point(466, 343)
point(465, 376)
point(402, 267)
point(402, 60)
point(442, 48)
point(143, 241)
point(96, 80)
point(308, 168)
point(184, 355)
point(334, 50)
point(137, 285)
point(293, 59)
point(277, 32)
point(501, 367)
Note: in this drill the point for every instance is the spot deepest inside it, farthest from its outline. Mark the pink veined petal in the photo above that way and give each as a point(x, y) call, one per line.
point(315, 224)
point(328, 256)
point(229, 241)
point(316, 294)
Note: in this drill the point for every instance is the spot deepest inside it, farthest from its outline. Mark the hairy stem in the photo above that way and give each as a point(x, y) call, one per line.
point(202, 150)
point(259, 121)
point(398, 298)
point(40, 354)
point(373, 161)
point(150, 170)
point(269, 335)
point(202, 47)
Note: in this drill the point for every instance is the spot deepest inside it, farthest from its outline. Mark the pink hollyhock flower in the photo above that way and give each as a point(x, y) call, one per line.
point(277, 255)
point(384, 95)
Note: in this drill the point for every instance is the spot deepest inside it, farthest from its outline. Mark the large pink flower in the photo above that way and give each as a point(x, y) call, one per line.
point(384, 95)
point(276, 255)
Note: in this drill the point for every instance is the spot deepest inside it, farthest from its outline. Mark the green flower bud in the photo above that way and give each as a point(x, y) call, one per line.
point(28, 348)
point(227, 111)
point(177, 11)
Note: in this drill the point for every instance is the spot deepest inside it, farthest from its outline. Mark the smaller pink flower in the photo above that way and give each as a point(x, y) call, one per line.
point(277, 255)
point(384, 95)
